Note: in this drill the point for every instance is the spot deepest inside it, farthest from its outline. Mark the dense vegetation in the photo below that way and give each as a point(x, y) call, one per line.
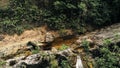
point(58, 14)
point(108, 56)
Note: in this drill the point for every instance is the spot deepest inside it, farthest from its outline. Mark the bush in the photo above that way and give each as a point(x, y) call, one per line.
point(18, 15)
point(109, 57)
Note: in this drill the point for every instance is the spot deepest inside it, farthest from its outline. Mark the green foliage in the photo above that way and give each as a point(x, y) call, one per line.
point(69, 13)
point(37, 50)
point(2, 62)
point(54, 63)
point(25, 10)
point(85, 44)
point(107, 42)
point(109, 57)
point(63, 47)
point(65, 64)
point(18, 15)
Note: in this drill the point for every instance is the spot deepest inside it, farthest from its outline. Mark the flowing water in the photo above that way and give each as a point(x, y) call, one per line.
point(79, 63)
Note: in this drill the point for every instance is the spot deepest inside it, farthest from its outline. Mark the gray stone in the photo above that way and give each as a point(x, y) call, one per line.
point(32, 59)
point(49, 37)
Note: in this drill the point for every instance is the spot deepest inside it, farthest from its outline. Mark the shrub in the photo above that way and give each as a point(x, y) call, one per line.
point(108, 58)
point(86, 46)
point(65, 64)
point(37, 50)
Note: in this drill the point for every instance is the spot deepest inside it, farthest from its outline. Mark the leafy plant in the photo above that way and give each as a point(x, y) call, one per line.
point(65, 64)
point(85, 44)
point(37, 50)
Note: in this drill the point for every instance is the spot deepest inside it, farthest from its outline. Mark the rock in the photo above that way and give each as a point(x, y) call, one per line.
point(20, 58)
point(30, 60)
point(33, 59)
point(39, 60)
point(11, 62)
point(54, 50)
point(67, 52)
point(90, 41)
point(49, 37)
point(20, 64)
point(41, 44)
point(85, 37)
point(31, 45)
point(78, 41)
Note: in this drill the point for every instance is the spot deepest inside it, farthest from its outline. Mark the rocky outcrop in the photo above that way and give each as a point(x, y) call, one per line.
point(37, 60)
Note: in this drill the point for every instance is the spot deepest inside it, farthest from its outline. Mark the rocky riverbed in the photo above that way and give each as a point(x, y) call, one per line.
point(19, 52)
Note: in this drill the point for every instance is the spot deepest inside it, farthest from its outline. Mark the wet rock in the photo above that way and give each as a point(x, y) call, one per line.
point(49, 37)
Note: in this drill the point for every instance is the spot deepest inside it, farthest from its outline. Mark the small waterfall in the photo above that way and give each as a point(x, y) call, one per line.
point(79, 63)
